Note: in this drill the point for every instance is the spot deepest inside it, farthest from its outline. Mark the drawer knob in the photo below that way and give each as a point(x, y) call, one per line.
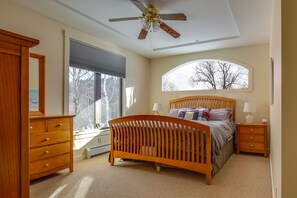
point(46, 139)
point(251, 138)
point(58, 125)
point(251, 146)
point(46, 152)
point(31, 127)
point(46, 165)
point(251, 130)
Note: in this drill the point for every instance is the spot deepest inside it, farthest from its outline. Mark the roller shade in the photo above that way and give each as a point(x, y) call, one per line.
point(87, 57)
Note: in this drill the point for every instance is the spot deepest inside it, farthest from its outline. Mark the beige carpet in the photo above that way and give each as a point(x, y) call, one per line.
point(242, 176)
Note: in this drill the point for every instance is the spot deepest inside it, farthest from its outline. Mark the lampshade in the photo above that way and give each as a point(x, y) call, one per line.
point(249, 107)
point(157, 107)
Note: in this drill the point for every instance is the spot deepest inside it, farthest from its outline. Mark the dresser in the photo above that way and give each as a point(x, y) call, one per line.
point(252, 138)
point(14, 114)
point(51, 144)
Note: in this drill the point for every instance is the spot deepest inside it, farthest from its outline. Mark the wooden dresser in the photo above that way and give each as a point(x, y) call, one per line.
point(252, 138)
point(14, 114)
point(51, 144)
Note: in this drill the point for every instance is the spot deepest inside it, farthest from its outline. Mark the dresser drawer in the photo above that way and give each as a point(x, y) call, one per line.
point(49, 163)
point(247, 146)
point(251, 138)
point(58, 124)
point(252, 130)
point(49, 151)
point(37, 126)
point(42, 139)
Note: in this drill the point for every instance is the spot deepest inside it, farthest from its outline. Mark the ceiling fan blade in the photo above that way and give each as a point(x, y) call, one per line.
point(140, 6)
point(123, 19)
point(142, 34)
point(174, 16)
point(169, 30)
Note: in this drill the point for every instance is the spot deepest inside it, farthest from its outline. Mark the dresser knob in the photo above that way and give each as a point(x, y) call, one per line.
point(46, 152)
point(251, 146)
point(251, 130)
point(58, 125)
point(31, 127)
point(46, 139)
point(251, 138)
point(46, 165)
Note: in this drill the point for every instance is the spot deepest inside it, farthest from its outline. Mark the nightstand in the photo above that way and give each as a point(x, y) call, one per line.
point(252, 138)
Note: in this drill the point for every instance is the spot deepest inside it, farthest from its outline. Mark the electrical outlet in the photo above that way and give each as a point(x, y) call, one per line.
point(99, 140)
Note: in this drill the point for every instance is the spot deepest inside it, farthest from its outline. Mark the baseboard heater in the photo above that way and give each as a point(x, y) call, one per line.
point(97, 150)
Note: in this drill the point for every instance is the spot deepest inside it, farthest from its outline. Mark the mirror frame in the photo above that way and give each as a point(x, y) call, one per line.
point(41, 102)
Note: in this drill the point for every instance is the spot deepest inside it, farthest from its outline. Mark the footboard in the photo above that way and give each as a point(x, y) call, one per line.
point(162, 139)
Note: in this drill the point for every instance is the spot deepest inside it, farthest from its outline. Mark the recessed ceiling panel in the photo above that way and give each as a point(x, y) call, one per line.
point(206, 19)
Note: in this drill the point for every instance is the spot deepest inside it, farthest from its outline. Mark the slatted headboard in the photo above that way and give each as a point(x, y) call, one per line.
point(213, 102)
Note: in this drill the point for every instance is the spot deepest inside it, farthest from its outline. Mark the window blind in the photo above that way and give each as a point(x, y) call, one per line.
point(87, 57)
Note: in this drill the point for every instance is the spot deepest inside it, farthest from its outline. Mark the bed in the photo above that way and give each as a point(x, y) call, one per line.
point(173, 141)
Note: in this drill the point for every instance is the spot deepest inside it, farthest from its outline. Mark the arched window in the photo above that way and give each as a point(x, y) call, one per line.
point(206, 74)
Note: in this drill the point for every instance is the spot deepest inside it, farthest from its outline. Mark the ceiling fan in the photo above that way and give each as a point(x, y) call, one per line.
point(152, 19)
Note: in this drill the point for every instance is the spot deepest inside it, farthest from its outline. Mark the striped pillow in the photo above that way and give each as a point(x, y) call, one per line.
point(194, 114)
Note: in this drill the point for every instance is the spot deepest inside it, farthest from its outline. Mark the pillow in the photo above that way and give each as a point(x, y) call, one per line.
point(173, 112)
point(189, 115)
point(201, 114)
point(220, 114)
point(194, 114)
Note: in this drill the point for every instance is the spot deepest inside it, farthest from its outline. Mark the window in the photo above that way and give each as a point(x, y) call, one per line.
point(206, 74)
point(94, 98)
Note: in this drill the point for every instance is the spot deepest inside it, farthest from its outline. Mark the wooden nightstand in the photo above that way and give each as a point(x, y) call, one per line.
point(252, 138)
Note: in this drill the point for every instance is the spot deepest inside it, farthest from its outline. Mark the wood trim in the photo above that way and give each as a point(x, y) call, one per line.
point(24, 166)
point(212, 102)
point(50, 116)
point(41, 60)
point(11, 37)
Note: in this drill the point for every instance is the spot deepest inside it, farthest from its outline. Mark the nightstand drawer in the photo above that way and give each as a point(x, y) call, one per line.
point(49, 163)
point(247, 146)
point(251, 138)
point(49, 151)
point(252, 130)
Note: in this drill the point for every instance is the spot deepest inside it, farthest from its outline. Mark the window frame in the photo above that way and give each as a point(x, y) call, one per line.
point(249, 68)
point(97, 92)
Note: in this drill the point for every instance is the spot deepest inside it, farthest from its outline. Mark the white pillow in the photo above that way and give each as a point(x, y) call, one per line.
point(189, 115)
point(173, 112)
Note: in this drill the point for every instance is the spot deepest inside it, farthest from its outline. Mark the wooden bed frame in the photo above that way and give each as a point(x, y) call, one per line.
point(168, 140)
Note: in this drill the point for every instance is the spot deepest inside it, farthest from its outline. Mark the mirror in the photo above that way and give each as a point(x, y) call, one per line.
point(36, 84)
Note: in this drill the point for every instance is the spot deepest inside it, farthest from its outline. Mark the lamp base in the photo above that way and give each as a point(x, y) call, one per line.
point(249, 118)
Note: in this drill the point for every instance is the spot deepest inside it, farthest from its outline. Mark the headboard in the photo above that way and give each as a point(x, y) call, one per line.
point(213, 102)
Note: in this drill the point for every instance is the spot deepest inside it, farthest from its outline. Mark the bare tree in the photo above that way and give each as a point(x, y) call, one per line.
point(218, 75)
point(82, 93)
point(205, 73)
point(169, 85)
point(110, 85)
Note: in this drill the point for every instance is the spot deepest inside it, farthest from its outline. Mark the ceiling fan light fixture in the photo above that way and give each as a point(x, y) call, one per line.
point(152, 20)
point(156, 26)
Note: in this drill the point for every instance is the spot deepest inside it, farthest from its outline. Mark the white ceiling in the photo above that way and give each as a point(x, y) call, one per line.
point(211, 24)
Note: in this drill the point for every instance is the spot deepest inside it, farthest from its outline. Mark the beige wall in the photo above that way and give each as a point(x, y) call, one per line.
point(256, 57)
point(275, 108)
point(288, 97)
point(50, 33)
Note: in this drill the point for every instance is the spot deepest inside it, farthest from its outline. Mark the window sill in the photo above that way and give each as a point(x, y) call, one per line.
point(90, 133)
